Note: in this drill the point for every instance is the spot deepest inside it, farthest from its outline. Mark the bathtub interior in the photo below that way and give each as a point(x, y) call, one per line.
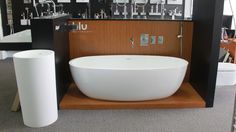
point(129, 62)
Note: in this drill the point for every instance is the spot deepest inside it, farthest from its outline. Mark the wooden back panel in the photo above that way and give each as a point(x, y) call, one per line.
point(111, 37)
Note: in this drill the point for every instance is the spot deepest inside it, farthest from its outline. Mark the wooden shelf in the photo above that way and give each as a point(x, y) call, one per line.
point(185, 97)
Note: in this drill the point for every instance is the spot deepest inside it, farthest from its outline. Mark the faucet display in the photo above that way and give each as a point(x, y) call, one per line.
point(174, 13)
point(47, 2)
point(53, 5)
point(157, 9)
point(142, 4)
point(144, 9)
point(61, 11)
point(26, 16)
point(133, 9)
point(124, 5)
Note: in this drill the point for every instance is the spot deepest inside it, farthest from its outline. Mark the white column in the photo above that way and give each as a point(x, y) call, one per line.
point(35, 75)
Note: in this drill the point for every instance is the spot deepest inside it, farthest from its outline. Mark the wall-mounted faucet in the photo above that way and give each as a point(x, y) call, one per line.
point(180, 37)
point(132, 41)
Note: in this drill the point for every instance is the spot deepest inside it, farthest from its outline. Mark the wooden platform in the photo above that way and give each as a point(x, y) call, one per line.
point(185, 97)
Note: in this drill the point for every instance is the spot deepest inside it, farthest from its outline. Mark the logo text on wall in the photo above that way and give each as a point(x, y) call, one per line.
point(82, 27)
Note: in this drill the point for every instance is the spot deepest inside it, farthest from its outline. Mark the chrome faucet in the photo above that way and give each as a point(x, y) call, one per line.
point(133, 9)
point(172, 13)
point(163, 9)
point(116, 12)
point(35, 7)
point(52, 2)
point(125, 13)
point(156, 8)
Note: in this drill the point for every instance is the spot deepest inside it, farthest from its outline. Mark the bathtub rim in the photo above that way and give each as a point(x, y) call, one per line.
point(72, 61)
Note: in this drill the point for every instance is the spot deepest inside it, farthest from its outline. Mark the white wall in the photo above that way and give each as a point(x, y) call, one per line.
point(227, 10)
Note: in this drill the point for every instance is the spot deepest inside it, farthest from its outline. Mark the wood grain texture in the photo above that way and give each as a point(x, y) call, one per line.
point(185, 97)
point(113, 37)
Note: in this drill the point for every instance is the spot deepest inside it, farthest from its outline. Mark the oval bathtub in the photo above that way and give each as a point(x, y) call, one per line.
point(128, 77)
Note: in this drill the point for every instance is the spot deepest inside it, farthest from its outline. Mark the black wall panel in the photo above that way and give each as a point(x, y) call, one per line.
point(5, 25)
point(207, 16)
point(76, 9)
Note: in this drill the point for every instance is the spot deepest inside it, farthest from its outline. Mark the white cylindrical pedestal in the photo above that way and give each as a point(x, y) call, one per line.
point(35, 75)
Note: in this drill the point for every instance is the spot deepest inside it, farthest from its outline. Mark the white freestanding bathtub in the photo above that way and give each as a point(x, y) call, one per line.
point(128, 77)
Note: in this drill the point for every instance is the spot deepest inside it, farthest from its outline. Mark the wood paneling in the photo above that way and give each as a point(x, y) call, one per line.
point(185, 97)
point(105, 37)
point(113, 37)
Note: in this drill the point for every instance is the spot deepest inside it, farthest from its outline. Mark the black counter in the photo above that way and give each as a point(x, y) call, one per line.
point(135, 19)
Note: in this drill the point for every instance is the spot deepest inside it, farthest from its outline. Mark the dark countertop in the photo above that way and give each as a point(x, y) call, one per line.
point(53, 17)
point(118, 19)
point(135, 19)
